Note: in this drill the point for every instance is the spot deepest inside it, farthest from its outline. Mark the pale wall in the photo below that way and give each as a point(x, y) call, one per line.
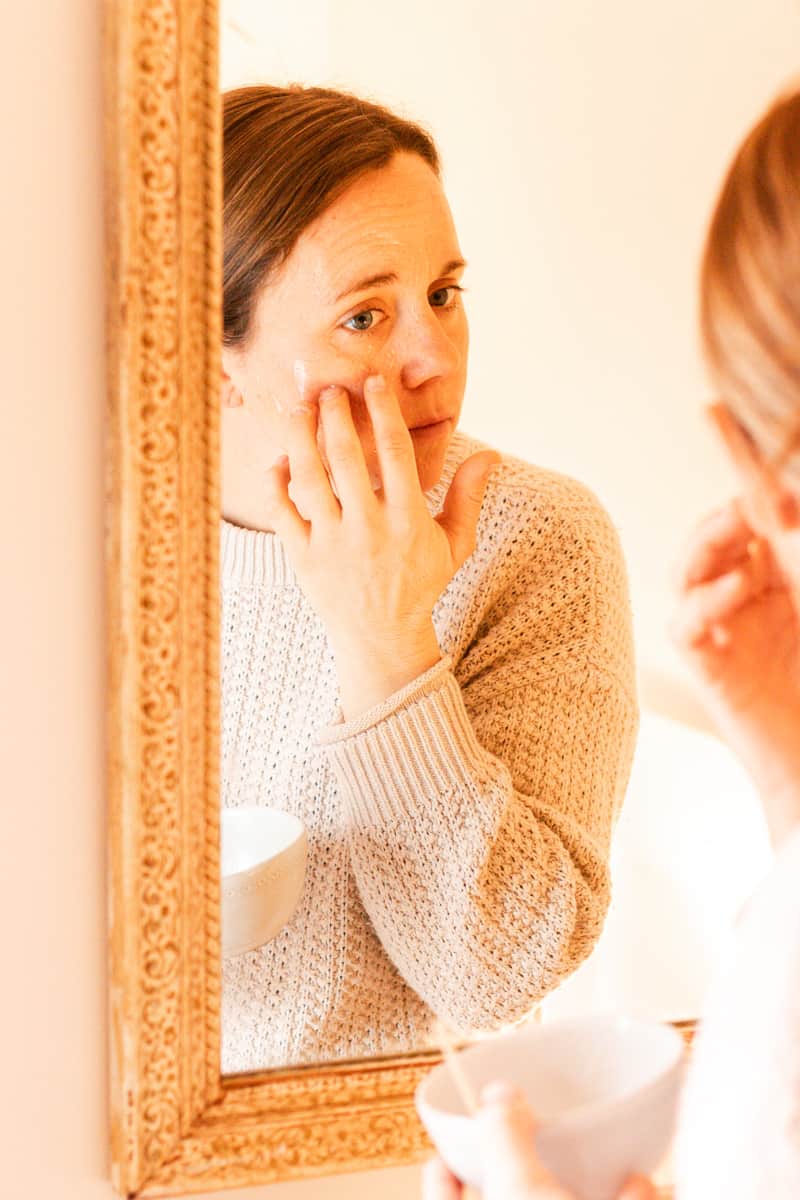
point(52, 848)
point(583, 144)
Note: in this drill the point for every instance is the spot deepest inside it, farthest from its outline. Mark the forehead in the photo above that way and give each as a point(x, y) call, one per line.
point(393, 219)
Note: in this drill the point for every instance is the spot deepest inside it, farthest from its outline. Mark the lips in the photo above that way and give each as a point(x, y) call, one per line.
point(430, 423)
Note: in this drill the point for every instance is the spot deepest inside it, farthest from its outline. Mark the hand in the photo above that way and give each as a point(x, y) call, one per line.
point(372, 564)
point(737, 625)
point(512, 1168)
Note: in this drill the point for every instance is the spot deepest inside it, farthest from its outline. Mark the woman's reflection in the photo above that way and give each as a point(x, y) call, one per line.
point(426, 647)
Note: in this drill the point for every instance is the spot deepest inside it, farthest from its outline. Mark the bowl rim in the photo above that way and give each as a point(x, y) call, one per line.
point(300, 840)
point(590, 1109)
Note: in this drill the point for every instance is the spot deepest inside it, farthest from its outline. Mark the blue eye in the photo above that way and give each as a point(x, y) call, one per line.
point(362, 321)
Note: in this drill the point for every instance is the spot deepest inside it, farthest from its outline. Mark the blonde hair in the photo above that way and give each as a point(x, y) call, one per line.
point(750, 286)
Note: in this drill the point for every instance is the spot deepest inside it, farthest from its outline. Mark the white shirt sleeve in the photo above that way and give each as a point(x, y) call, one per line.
point(739, 1129)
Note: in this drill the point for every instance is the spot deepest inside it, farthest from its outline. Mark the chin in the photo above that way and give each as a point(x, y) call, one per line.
point(430, 465)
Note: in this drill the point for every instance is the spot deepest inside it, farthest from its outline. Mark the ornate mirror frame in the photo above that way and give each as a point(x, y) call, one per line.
point(177, 1125)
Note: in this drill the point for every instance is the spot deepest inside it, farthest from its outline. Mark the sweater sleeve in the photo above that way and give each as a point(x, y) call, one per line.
point(480, 808)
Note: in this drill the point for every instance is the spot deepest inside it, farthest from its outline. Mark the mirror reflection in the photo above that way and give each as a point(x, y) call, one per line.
point(429, 702)
point(426, 645)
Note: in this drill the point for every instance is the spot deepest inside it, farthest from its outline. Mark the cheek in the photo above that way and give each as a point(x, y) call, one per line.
point(266, 384)
point(463, 345)
point(312, 373)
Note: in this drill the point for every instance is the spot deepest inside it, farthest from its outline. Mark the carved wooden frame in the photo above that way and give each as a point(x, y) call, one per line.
point(177, 1125)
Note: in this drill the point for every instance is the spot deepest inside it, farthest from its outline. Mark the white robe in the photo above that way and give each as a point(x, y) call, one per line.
point(739, 1130)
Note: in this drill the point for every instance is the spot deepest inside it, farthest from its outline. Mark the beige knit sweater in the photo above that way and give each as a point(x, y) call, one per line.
point(459, 832)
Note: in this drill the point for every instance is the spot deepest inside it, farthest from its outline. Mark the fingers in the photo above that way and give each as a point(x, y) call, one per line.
point(343, 449)
point(718, 544)
point(310, 487)
point(506, 1128)
point(462, 504)
point(762, 565)
point(512, 1167)
point(393, 445)
point(438, 1183)
point(726, 566)
point(708, 605)
point(638, 1188)
point(280, 513)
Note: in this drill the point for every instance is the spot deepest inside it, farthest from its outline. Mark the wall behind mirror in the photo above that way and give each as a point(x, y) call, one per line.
point(742, 52)
point(582, 145)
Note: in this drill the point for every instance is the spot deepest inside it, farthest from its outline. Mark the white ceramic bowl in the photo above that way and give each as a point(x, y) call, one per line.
point(604, 1090)
point(263, 869)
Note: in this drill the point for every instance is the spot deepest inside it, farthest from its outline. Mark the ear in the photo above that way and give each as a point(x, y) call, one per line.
point(229, 394)
point(772, 506)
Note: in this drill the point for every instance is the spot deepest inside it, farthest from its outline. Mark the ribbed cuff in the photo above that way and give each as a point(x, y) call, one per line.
point(379, 712)
point(391, 763)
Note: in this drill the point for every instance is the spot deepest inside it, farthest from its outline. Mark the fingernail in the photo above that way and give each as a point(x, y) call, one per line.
point(375, 383)
point(500, 1091)
point(280, 461)
point(300, 410)
point(732, 583)
point(332, 392)
point(720, 636)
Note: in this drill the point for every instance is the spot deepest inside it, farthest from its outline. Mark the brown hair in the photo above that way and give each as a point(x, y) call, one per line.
point(750, 285)
point(288, 154)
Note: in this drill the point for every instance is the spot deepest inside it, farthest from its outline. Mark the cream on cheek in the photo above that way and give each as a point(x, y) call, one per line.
point(313, 374)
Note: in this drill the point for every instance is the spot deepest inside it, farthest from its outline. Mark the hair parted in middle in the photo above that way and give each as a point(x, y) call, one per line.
point(288, 153)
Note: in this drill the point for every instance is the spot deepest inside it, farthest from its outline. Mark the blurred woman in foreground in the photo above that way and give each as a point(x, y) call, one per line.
point(738, 623)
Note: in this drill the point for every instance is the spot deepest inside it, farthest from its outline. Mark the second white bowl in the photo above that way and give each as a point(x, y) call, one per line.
point(604, 1090)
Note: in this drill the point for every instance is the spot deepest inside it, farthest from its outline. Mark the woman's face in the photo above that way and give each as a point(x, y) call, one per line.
point(370, 287)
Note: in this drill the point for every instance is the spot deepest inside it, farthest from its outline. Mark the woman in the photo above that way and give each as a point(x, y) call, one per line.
point(738, 622)
point(426, 648)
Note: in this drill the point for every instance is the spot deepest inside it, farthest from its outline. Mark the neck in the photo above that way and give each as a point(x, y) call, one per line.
point(245, 518)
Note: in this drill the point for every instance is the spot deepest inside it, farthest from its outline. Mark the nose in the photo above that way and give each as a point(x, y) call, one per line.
point(426, 351)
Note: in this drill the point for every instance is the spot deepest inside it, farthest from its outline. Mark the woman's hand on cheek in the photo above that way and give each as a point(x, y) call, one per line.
point(372, 564)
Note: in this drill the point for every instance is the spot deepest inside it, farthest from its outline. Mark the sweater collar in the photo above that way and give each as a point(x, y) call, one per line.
point(250, 556)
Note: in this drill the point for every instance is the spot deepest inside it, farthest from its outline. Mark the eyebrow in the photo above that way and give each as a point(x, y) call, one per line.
point(455, 264)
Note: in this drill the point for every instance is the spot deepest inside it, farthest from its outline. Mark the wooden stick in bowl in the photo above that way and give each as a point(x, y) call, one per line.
point(460, 1078)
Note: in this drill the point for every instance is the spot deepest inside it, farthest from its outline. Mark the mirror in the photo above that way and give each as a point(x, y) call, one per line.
point(563, 197)
point(433, 673)
point(579, 178)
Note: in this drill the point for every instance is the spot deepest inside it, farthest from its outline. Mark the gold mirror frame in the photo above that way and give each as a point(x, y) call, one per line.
point(178, 1126)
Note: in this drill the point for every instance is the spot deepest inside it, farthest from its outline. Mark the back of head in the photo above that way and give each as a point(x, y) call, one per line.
point(750, 286)
point(288, 153)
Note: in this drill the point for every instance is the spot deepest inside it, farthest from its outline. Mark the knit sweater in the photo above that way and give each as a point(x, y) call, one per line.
point(458, 833)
